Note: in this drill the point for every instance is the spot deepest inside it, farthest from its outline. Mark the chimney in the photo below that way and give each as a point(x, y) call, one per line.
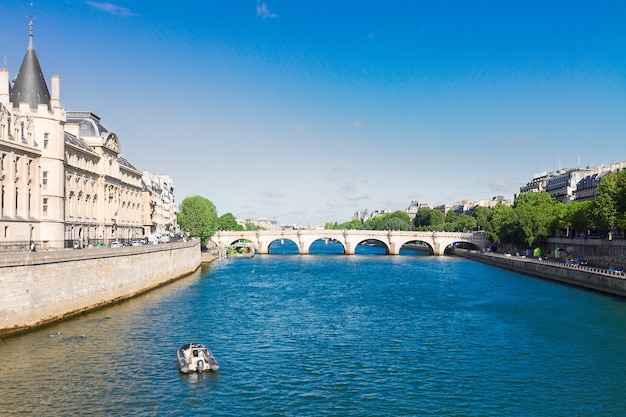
point(4, 85)
point(56, 92)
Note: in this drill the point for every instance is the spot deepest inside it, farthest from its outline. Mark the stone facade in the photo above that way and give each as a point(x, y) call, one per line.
point(43, 287)
point(159, 213)
point(63, 180)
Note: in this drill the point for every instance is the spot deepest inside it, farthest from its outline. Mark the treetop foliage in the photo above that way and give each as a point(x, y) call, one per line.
point(198, 216)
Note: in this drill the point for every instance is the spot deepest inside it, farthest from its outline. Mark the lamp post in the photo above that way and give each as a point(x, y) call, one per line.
point(31, 244)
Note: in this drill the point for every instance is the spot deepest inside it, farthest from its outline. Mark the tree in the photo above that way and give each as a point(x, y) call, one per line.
point(575, 216)
point(398, 220)
point(251, 226)
point(610, 204)
point(465, 223)
point(228, 222)
point(428, 219)
point(504, 227)
point(198, 216)
point(482, 216)
point(354, 224)
point(537, 216)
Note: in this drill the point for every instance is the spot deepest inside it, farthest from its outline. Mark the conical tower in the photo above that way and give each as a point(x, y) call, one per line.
point(33, 126)
point(30, 85)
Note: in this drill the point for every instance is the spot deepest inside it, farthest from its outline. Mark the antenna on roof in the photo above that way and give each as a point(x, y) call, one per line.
point(30, 25)
point(30, 20)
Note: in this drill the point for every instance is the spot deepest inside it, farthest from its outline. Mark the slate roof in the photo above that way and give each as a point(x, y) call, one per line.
point(78, 142)
point(89, 123)
point(30, 85)
point(124, 162)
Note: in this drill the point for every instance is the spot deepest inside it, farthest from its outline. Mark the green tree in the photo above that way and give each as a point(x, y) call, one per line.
point(228, 222)
point(331, 226)
point(537, 214)
point(504, 227)
point(398, 220)
point(576, 216)
point(428, 219)
point(354, 224)
point(582, 216)
point(481, 215)
point(250, 226)
point(198, 216)
point(465, 223)
point(610, 204)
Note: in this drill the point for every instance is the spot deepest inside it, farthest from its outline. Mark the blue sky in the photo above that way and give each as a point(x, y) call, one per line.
point(304, 112)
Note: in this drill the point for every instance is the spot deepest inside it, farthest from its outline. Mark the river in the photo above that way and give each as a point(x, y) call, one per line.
point(332, 335)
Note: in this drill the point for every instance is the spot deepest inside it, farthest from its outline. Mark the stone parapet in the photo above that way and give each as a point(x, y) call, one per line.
point(43, 287)
point(597, 279)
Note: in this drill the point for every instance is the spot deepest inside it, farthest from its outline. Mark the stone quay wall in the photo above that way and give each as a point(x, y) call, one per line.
point(37, 288)
point(597, 279)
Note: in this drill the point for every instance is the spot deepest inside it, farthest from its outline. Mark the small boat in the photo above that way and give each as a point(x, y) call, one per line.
point(194, 357)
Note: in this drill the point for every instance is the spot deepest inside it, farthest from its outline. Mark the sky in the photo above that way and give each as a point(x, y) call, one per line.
point(305, 112)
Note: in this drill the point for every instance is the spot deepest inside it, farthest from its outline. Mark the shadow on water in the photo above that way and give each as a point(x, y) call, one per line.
point(332, 247)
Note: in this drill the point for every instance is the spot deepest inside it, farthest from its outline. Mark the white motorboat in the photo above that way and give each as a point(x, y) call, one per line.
point(195, 357)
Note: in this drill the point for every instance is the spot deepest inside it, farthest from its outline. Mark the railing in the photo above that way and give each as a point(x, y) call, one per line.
point(555, 263)
point(68, 244)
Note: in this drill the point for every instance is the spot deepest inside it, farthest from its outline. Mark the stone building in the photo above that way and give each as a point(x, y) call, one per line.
point(31, 155)
point(103, 190)
point(63, 180)
point(572, 184)
point(159, 212)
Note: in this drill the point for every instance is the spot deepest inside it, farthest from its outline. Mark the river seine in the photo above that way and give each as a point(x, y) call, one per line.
point(332, 335)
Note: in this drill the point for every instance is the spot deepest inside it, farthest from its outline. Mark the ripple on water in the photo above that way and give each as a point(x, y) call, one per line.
point(332, 335)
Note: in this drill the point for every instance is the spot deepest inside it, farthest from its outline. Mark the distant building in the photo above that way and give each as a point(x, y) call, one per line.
point(494, 201)
point(572, 184)
point(267, 224)
point(159, 210)
point(443, 208)
point(414, 207)
point(562, 184)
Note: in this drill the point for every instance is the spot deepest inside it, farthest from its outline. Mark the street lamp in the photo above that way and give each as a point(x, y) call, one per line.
point(31, 244)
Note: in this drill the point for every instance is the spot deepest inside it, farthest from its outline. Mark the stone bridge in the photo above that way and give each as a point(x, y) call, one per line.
point(392, 240)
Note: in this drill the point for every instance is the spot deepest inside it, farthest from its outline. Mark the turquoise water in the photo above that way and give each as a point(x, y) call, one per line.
point(332, 335)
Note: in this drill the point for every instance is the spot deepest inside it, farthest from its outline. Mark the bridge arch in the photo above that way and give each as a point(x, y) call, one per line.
point(416, 245)
point(372, 243)
point(330, 246)
point(281, 246)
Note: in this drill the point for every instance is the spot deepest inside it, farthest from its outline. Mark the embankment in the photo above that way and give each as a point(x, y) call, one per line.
point(44, 287)
point(592, 278)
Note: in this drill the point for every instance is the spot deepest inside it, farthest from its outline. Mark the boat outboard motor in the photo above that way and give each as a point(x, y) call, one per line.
point(200, 366)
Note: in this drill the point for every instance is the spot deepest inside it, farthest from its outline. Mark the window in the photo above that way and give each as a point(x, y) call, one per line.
point(44, 181)
point(45, 206)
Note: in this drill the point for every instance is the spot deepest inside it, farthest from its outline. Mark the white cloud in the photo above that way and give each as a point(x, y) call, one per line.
point(111, 8)
point(264, 12)
point(350, 192)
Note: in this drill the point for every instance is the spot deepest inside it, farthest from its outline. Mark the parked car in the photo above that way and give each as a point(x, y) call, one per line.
point(580, 261)
point(116, 244)
point(615, 269)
